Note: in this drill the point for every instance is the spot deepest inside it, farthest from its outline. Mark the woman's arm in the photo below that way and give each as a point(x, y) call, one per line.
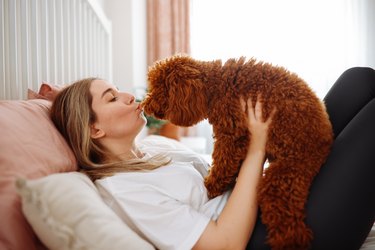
point(233, 228)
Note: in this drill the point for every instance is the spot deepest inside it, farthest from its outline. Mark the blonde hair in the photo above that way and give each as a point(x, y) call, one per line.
point(72, 114)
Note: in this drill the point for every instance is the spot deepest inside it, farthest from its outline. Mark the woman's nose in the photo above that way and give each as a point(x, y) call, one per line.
point(129, 99)
point(126, 98)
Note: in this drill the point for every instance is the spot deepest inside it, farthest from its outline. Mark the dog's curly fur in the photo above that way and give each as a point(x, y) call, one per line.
point(185, 91)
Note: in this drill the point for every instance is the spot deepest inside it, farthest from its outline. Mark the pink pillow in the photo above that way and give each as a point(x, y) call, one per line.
point(47, 91)
point(31, 147)
point(31, 94)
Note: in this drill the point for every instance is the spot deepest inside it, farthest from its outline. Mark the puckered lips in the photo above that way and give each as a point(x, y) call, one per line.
point(139, 108)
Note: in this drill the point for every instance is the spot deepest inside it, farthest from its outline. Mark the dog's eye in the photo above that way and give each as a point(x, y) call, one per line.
point(159, 115)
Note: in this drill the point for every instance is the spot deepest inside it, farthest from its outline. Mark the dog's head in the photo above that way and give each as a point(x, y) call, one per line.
point(177, 91)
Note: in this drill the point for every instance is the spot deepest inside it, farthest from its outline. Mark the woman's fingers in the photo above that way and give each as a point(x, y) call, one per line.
point(258, 109)
point(270, 117)
point(243, 104)
point(250, 109)
point(256, 112)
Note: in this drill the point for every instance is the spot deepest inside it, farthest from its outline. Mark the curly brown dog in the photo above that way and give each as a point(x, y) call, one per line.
point(186, 91)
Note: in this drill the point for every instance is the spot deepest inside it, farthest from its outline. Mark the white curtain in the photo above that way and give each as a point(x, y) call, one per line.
point(317, 39)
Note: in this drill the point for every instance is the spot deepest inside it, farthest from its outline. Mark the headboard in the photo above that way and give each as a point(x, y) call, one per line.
point(57, 41)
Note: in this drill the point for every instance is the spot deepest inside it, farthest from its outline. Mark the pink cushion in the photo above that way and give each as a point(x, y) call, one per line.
point(47, 91)
point(31, 147)
point(31, 94)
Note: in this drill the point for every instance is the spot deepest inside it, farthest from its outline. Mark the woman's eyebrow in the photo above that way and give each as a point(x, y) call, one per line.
point(106, 91)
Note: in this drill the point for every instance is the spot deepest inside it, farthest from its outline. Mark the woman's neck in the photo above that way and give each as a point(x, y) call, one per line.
point(132, 153)
point(123, 150)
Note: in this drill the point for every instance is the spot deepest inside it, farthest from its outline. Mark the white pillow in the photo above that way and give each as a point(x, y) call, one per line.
point(154, 144)
point(66, 212)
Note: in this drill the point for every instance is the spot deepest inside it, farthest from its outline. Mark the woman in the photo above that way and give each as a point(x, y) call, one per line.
point(165, 200)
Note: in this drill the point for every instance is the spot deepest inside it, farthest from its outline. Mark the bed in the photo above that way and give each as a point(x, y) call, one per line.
point(45, 202)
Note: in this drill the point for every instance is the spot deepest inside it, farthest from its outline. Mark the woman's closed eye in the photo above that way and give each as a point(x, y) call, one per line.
point(113, 98)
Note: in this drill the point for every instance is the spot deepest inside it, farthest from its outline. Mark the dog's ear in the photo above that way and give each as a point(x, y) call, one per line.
point(177, 91)
point(187, 101)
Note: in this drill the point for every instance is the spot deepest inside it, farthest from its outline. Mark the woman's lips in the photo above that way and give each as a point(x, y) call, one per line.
point(139, 107)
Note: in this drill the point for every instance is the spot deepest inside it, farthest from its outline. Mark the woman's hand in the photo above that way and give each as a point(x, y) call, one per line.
point(257, 125)
point(235, 224)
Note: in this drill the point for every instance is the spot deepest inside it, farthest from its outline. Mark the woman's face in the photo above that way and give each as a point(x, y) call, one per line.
point(118, 115)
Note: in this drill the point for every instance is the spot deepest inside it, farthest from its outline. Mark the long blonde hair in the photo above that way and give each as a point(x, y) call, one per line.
point(72, 114)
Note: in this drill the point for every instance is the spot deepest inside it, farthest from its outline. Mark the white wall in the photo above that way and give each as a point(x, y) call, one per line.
point(129, 47)
point(370, 31)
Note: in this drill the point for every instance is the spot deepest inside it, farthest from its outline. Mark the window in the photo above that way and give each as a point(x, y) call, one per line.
point(316, 39)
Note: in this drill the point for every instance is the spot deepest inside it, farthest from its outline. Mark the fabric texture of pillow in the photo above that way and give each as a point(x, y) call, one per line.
point(31, 94)
point(67, 212)
point(31, 147)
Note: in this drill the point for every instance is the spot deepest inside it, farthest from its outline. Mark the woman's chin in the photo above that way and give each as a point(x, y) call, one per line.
point(144, 120)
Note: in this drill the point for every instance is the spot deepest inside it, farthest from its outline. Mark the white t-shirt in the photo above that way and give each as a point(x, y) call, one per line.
point(167, 206)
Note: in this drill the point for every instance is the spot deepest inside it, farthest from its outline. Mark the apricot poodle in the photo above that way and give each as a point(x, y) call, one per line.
point(185, 91)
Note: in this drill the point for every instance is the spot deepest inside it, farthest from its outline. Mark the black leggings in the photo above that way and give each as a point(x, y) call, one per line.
point(341, 205)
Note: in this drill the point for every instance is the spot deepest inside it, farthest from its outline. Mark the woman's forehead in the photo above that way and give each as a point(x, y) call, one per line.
point(98, 86)
point(99, 83)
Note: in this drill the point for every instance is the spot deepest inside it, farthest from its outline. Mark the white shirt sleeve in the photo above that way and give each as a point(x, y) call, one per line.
point(164, 221)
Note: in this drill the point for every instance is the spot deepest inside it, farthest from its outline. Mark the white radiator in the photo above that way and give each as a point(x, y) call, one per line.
point(57, 41)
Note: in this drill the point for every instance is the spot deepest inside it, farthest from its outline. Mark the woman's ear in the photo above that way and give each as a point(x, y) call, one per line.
point(96, 133)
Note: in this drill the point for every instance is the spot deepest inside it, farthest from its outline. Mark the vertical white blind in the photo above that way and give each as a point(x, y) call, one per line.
point(57, 41)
